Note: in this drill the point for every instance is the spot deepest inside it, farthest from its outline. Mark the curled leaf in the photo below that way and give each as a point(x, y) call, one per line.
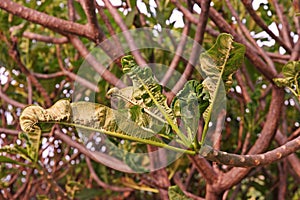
point(218, 64)
point(291, 79)
point(149, 91)
point(32, 115)
point(146, 88)
point(189, 104)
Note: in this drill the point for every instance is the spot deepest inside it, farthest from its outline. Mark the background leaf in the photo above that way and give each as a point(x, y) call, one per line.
point(4, 159)
point(175, 193)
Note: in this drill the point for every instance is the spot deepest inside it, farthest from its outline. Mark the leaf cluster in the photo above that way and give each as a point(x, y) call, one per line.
point(145, 116)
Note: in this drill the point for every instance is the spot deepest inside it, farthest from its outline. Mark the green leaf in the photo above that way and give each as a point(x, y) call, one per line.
point(192, 93)
point(135, 162)
point(120, 121)
point(189, 104)
point(222, 59)
point(217, 67)
point(44, 5)
point(130, 17)
point(145, 86)
point(32, 115)
point(175, 193)
point(4, 159)
point(72, 187)
point(16, 150)
point(87, 117)
point(149, 117)
point(132, 3)
point(140, 113)
point(89, 193)
point(42, 197)
point(291, 73)
point(116, 123)
point(149, 91)
point(80, 11)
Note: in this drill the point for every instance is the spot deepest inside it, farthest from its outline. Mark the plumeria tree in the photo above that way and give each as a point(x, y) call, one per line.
point(149, 99)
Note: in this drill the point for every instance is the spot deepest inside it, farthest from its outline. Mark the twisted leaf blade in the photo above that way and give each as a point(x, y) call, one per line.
point(218, 64)
point(33, 114)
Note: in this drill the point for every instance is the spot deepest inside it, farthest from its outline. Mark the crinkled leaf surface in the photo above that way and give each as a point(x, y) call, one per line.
point(217, 67)
point(189, 104)
point(150, 92)
point(149, 117)
point(87, 117)
point(291, 73)
point(147, 103)
point(146, 87)
point(32, 115)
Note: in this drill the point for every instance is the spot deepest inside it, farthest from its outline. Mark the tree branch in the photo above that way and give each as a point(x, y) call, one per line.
point(285, 30)
point(43, 38)
point(14, 53)
point(118, 19)
point(97, 156)
point(71, 10)
point(246, 32)
point(73, 76)
point(177, 180)
point(9, 131)
point(53, 23)
point(216, 17)
point(201, 24)
point(89, 9)
point(101, 183)
point(187, 14)
point(99, 68)
point(296, 52)
point(282, 182)
point(235, 175)
point(293, 159)
point(293, 135)
point(261, 23)
point(252, 160)
point(272, 121)
point(204, 168)
point(242, 84)
point(12, 102)
point(49, 76)
point(109, 26)
point(177, 56)
point(29, 90)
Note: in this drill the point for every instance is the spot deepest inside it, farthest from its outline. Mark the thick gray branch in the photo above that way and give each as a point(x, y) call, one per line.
point(252, 160)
